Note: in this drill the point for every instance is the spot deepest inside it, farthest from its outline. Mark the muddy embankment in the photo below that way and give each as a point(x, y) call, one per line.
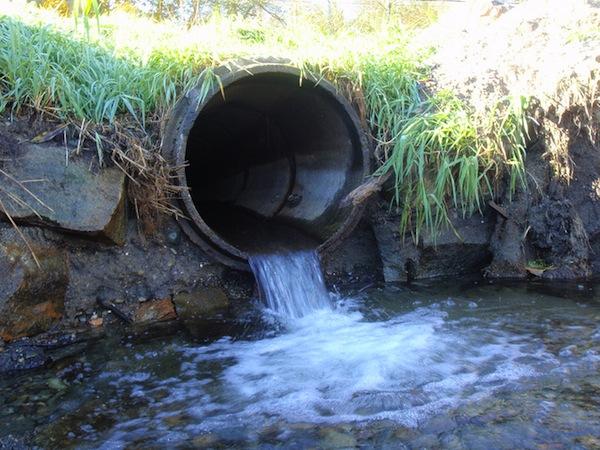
point(549, 231)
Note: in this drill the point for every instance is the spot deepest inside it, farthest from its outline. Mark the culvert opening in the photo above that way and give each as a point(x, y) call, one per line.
point(269, 161)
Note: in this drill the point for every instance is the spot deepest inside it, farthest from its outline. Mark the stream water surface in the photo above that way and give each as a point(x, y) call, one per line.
point(465, 364)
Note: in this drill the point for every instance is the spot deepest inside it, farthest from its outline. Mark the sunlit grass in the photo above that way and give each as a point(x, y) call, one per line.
point(447, 156)
point(132, 70)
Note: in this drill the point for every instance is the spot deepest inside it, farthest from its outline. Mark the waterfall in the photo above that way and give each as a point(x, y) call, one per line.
point(291, 283)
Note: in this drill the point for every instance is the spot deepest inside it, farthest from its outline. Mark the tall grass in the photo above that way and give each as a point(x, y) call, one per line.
point(131, 71)
point(443, 155)
point(42, 68)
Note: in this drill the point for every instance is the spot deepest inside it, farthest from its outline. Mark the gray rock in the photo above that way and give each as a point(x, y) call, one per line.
point(21, 356)
point(396, 255)
point(461, 250)
point(65, 194)
point(507, 245)
point(173, 235)
point(356, 259)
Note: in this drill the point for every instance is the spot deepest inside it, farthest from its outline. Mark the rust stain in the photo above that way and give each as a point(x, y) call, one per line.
point(155, 311)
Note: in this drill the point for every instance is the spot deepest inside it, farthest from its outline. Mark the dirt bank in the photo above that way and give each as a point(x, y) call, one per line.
point(545, 53)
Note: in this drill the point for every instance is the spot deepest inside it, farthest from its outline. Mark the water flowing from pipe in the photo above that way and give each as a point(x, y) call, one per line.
point(291, 283)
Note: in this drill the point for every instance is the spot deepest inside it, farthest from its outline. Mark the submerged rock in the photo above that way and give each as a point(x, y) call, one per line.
point(12, 442)
point(204, 312)
point(201, 303)
point(21, 356)
point(337, 438)
point(32, 294)
point(65, 193)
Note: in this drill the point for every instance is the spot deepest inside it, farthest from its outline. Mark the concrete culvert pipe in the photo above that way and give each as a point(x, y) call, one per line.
point(264, 152)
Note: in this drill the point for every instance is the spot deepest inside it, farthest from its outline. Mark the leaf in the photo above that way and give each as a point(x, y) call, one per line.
point(49, 135)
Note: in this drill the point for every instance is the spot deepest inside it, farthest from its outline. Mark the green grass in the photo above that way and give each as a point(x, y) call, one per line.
point(446, 156)
point(132, 70)
point(584, 33)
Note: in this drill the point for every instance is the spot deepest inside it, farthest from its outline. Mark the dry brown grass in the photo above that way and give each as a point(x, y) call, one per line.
point(573, 111)
point(151, 183)
point(21, 201)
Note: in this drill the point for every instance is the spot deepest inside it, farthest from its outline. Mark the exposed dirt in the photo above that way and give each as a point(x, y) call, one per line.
point(548, 52)
point(543, 50)
point(489, 51)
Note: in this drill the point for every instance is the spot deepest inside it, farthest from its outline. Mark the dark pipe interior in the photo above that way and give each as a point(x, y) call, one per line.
point(270, 157)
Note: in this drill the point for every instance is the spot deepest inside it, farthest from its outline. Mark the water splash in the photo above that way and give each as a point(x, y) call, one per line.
point(291, 283)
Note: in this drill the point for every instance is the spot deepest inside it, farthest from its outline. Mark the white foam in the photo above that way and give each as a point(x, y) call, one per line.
point(334, 366)
point(331, 364)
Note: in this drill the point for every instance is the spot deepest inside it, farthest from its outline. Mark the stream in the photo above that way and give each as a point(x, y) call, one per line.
point(457, 364)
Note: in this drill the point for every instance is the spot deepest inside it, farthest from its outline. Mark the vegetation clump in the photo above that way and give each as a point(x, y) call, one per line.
point(541, 49)
point(115, 84)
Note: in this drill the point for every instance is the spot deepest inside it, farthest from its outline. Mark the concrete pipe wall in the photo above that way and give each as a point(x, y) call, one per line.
point(268, 158)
